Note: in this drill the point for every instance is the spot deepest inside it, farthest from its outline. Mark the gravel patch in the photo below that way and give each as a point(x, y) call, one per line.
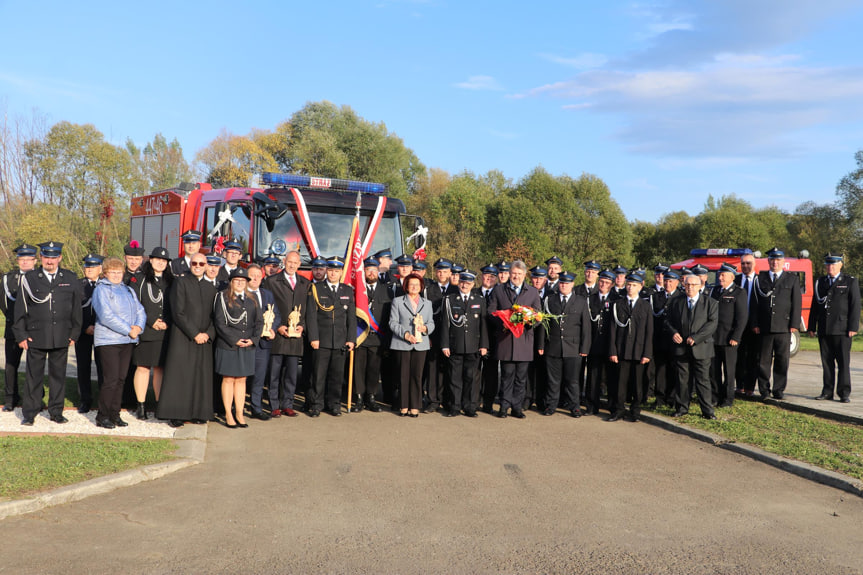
point(85, 424)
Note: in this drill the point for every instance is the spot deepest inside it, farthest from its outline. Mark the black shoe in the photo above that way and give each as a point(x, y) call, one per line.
point(242, 425)
point(119, 422)
point(413, 414)
point(726, 404)
point(260, 415)
point(106, 423)
point(518, 414)
point(314, 413)
point(502, 414)
point(199, 421)
point(432, 408)
point(176, 423)
point(372, 405)
point(141, 412)
point(710, 416)
point(575, 413)
point(230, 425)
point(84, 408)
point(470, 413)
point(489, 410)
point(845, 400)
point(778, 395)
point(335, 412)
point(27, 422)
point(357, 404)
point(678, 413)
point(452, 413)
point(824, 396)
point(8, 408)
point(548, 411)
point(59, 419)
point(632, 417)
point(764, 396)
point(614, 417)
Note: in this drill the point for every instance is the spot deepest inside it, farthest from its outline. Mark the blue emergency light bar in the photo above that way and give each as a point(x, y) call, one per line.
point(273, 179)
point(720, 252)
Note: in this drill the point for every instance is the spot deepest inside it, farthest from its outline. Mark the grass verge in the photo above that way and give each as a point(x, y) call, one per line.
point(811, 343)
point(32, 464)
point(828, 444)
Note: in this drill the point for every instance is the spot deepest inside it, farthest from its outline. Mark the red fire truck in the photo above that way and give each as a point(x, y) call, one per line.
point(291, 212)
point(712, 258)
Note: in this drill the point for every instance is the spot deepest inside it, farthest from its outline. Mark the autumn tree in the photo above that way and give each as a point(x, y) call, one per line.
point(231, 160)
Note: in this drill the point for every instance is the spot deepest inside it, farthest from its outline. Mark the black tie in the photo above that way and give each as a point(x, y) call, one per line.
point(565, 299)
point(746, 284)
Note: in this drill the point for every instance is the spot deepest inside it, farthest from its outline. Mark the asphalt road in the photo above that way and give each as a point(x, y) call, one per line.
point(375, 493)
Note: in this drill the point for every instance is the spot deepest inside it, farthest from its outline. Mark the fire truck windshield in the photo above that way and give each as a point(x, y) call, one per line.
point(332, 229)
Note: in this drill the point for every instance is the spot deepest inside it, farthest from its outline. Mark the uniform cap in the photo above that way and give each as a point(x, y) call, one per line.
point(133, 248)
point(25, 250)
point(672, 275)
point(566, 277)
point(232, 245)
point(503, 266)
point(831, 258)
point(404, 260)
point(607, 274)
point(457, 268)
point(466, 277)
point(92, 260)
point(385, 253)
point(489, 269)
point(660, 268)
point(319, 262)
point(728, 268)
point(371, 262)
point(214, 261)
point(700, 270)
point(335, 263)
point(51, 249)
point(620, 270)
point(239, 272)
point(775, 254)
point(443, 264)
point(161, 253)
point(554, 260)
point(274, 261)
point(635, 278)
point(191, 236)
point(592, 265)
point(538, 272)
point(420, 265)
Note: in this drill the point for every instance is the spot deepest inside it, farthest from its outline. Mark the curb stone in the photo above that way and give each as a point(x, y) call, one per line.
point(799, 468)
point(191, 443)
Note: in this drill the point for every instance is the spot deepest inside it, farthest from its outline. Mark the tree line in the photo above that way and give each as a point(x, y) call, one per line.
point(65, 182)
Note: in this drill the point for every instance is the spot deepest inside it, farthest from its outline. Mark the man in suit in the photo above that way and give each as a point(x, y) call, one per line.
point(290, 293)
point(25, 255)
point(591, 273)
point(368, 354)
point(779, 305)
point(488, 371)
point(464, 339)
point(514, 354)
point(47, 321)
point(436, 364)
point(732, 317)
point(749, 350)
point(630, 348)
point(835, 316)
point(691, 324)
point(264, 299)
point(567, 342)
point(331, 321)
point(191, 246)
point(599, 368)
point(84, 343)
point(664, 372)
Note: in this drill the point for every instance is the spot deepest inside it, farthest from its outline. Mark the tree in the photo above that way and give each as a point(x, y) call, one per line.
point(731, 222)
point(459, 216)
point(90, 180)
point(322, 139)
point(160, 164)
point(667, 241)
point(231, 160)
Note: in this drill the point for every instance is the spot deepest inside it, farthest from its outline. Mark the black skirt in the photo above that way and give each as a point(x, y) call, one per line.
point(239, 362)
point(151, 353)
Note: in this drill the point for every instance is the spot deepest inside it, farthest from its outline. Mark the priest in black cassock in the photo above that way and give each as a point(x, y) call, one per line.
point(187, 388)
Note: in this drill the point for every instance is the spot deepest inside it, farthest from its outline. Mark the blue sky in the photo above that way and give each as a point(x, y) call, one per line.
point(667, 102)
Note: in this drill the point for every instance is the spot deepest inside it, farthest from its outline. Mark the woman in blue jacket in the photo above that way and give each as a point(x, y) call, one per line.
point(120, 319)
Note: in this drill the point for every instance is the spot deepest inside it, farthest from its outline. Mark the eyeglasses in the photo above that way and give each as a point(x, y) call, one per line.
point(198, 264)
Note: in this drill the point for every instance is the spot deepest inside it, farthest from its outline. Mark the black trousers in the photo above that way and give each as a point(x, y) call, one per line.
point(283, 380)
point(462, 377)
point(699, 369)
point(367, 370)
point(599, 371)
point(628, 387)
point(13, 362)
point(775, 349)
point(84, 353)
point(411, 363)
point(328, 379)
point(115, 360)
point(490, 380)
point(664, 377)
point(537, 383)
point(32, 397)
point(435, 372)
point(513, 381)
point(748, 360)
point(256, 387)
point(722, 373)
point(563, 374)
point(835, 357)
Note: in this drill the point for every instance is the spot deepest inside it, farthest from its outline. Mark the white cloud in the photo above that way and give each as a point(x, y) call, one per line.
point(480, 83)
point(583, 61)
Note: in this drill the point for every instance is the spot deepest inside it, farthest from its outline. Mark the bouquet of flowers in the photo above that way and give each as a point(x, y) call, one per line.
point(518, 316)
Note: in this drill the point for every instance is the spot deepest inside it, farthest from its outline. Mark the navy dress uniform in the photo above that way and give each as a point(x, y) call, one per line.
point(567, 341)
point(553, 278)
point(133, 278)
point(464, 336)
point(11, 287)
point(631, 342)
point(749, 350)
point(47, 321)
point(835, 316)
point(778, 308)
point(489, 366)
point(436, 364)
point(599, 368)
point(368, 355)
point(84, 343)
point(180, 266)
point(537, 375)
point(732, 319)
point(224, 276)
point(585, 290)
point(331, 320)
point(664, 374)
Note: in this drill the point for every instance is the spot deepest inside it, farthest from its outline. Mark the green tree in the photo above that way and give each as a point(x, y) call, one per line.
point(231, 160)
point(90, 180)
point(459, 216)
point(160, 164)
point(667, 241)
point(731, 222)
